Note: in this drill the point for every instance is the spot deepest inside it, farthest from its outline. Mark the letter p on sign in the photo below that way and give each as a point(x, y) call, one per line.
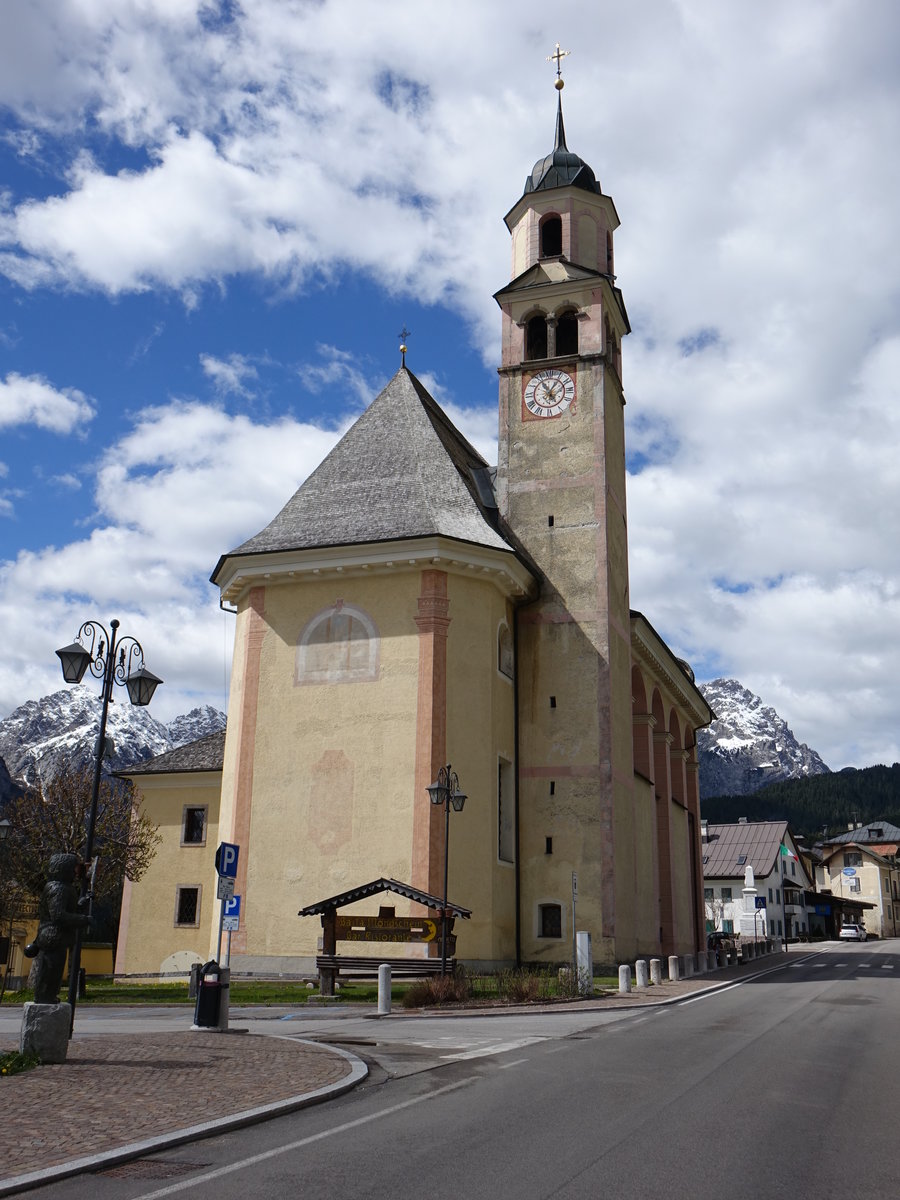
point(227, 860)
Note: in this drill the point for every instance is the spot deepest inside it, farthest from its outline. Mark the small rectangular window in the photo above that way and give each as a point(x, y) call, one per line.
point(853, 858)
point(726, 894)
point(742, 860)
point(778, 895)
point(550, 522)
point(770, 895)
point(187, 906)
point(728, 926)
point(548, 845)
point(550, 920)
point(709, 894)
point(553, 702)
point(506, 812)
point(193, 826)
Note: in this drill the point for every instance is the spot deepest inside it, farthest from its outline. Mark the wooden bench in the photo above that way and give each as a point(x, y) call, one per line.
point(348, 965)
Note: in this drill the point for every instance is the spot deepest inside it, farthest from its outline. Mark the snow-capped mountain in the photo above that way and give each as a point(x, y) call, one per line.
point(748, 745)
point(38, 736)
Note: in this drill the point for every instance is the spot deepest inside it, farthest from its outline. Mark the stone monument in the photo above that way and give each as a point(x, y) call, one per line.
point(752, 925)
point(46, 1022)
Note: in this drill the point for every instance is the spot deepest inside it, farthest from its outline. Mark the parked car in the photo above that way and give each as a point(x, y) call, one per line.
point(717, 940)
point(853, 933)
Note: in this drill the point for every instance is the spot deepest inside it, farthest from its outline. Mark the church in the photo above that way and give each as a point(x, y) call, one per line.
point(413, 606)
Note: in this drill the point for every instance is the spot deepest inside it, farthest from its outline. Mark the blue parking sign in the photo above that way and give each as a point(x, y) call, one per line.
point(227, 860)
point(232, 907)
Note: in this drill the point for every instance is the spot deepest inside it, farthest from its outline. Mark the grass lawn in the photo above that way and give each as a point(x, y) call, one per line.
point(264, 992)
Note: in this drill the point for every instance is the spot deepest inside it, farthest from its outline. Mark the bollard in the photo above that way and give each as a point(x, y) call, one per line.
point(624, 980)
point(655, 970)
point(642, 973)
point(702, 962)
point(224, 998)
point(384, 989)
point(674, 967)
point(688, 965)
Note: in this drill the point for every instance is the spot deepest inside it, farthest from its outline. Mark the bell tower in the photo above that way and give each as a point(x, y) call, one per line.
point(561, 489)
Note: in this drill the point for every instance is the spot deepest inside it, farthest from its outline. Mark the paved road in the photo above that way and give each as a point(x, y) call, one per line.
point(783, 1085)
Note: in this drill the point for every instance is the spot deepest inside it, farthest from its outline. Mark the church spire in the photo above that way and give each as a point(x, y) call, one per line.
point(561, 168)
point(560, 143)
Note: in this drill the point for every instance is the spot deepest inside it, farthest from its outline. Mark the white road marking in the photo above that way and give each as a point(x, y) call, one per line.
point(298, 1145)
point(490, 1048)
point(517, 1062)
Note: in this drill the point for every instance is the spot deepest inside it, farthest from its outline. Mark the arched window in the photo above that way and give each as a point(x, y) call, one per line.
point(551, 236)
point(339, 645)
point(536, 337)
point(567, 334)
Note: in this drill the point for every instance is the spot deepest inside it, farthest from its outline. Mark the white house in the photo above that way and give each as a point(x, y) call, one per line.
point(779, 877)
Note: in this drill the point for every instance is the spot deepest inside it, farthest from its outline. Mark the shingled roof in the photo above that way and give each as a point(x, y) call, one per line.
point(757, 842)
point(205, 754)
point(402, 470)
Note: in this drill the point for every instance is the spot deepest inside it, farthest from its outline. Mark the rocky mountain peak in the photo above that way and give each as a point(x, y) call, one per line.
point(748, 745)
point(40, 735)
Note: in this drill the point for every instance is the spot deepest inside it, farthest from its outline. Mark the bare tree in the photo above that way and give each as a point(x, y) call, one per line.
point(52, 819)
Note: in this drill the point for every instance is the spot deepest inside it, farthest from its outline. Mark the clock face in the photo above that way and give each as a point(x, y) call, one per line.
point(549, 393)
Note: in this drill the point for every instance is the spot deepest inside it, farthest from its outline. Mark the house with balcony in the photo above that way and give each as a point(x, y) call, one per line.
point(862, 865)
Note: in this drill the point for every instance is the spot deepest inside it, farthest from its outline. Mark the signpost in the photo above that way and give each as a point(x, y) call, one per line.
point(759, 903)
point(574, 943)
point(226, 868)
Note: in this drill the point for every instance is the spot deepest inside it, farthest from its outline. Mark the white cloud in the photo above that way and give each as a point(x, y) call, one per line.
point(339, 371)
point(32, 400)
point(171, 495)
point(228, 375)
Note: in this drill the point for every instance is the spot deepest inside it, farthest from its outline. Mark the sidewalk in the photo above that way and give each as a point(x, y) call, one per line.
point(120, 1097)
point(123, 1096)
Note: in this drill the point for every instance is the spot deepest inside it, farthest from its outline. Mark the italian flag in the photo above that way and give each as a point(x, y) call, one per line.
point(785, 853)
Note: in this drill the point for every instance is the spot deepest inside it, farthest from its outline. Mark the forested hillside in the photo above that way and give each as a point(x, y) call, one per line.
point(819, 802)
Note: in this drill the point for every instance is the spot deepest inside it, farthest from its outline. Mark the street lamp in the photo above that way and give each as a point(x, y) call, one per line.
point(114, 662)
point(446, 791)
point(5, 828)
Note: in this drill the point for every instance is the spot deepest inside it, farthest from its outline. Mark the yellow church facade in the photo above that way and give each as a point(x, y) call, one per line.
point(412, 606)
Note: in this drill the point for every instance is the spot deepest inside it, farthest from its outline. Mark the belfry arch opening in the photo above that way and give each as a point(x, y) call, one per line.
point(536, 337)
point(567, 333)
point(551, 236)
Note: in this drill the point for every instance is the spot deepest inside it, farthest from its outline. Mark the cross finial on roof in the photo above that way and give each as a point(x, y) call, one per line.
point(403, 335)
point(557, 56)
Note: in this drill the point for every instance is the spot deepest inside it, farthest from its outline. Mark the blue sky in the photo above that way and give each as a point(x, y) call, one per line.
point(215, 218)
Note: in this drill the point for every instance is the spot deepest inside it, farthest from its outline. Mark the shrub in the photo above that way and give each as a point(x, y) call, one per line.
point(438, 989)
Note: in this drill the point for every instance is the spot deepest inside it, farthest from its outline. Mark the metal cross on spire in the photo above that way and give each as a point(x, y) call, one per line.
point(403, 335)
point(557, 56)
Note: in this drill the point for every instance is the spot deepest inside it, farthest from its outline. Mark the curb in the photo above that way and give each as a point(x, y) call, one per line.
point(192, 1133)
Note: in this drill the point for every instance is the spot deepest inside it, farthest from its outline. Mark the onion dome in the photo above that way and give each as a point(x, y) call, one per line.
point(562, 168)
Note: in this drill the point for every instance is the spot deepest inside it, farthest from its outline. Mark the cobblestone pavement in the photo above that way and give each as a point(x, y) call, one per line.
point(113, 1092)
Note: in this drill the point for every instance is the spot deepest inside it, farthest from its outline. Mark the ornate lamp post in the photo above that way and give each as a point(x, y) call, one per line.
point(5, 827)
point(446, 791)
point(114, 662)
